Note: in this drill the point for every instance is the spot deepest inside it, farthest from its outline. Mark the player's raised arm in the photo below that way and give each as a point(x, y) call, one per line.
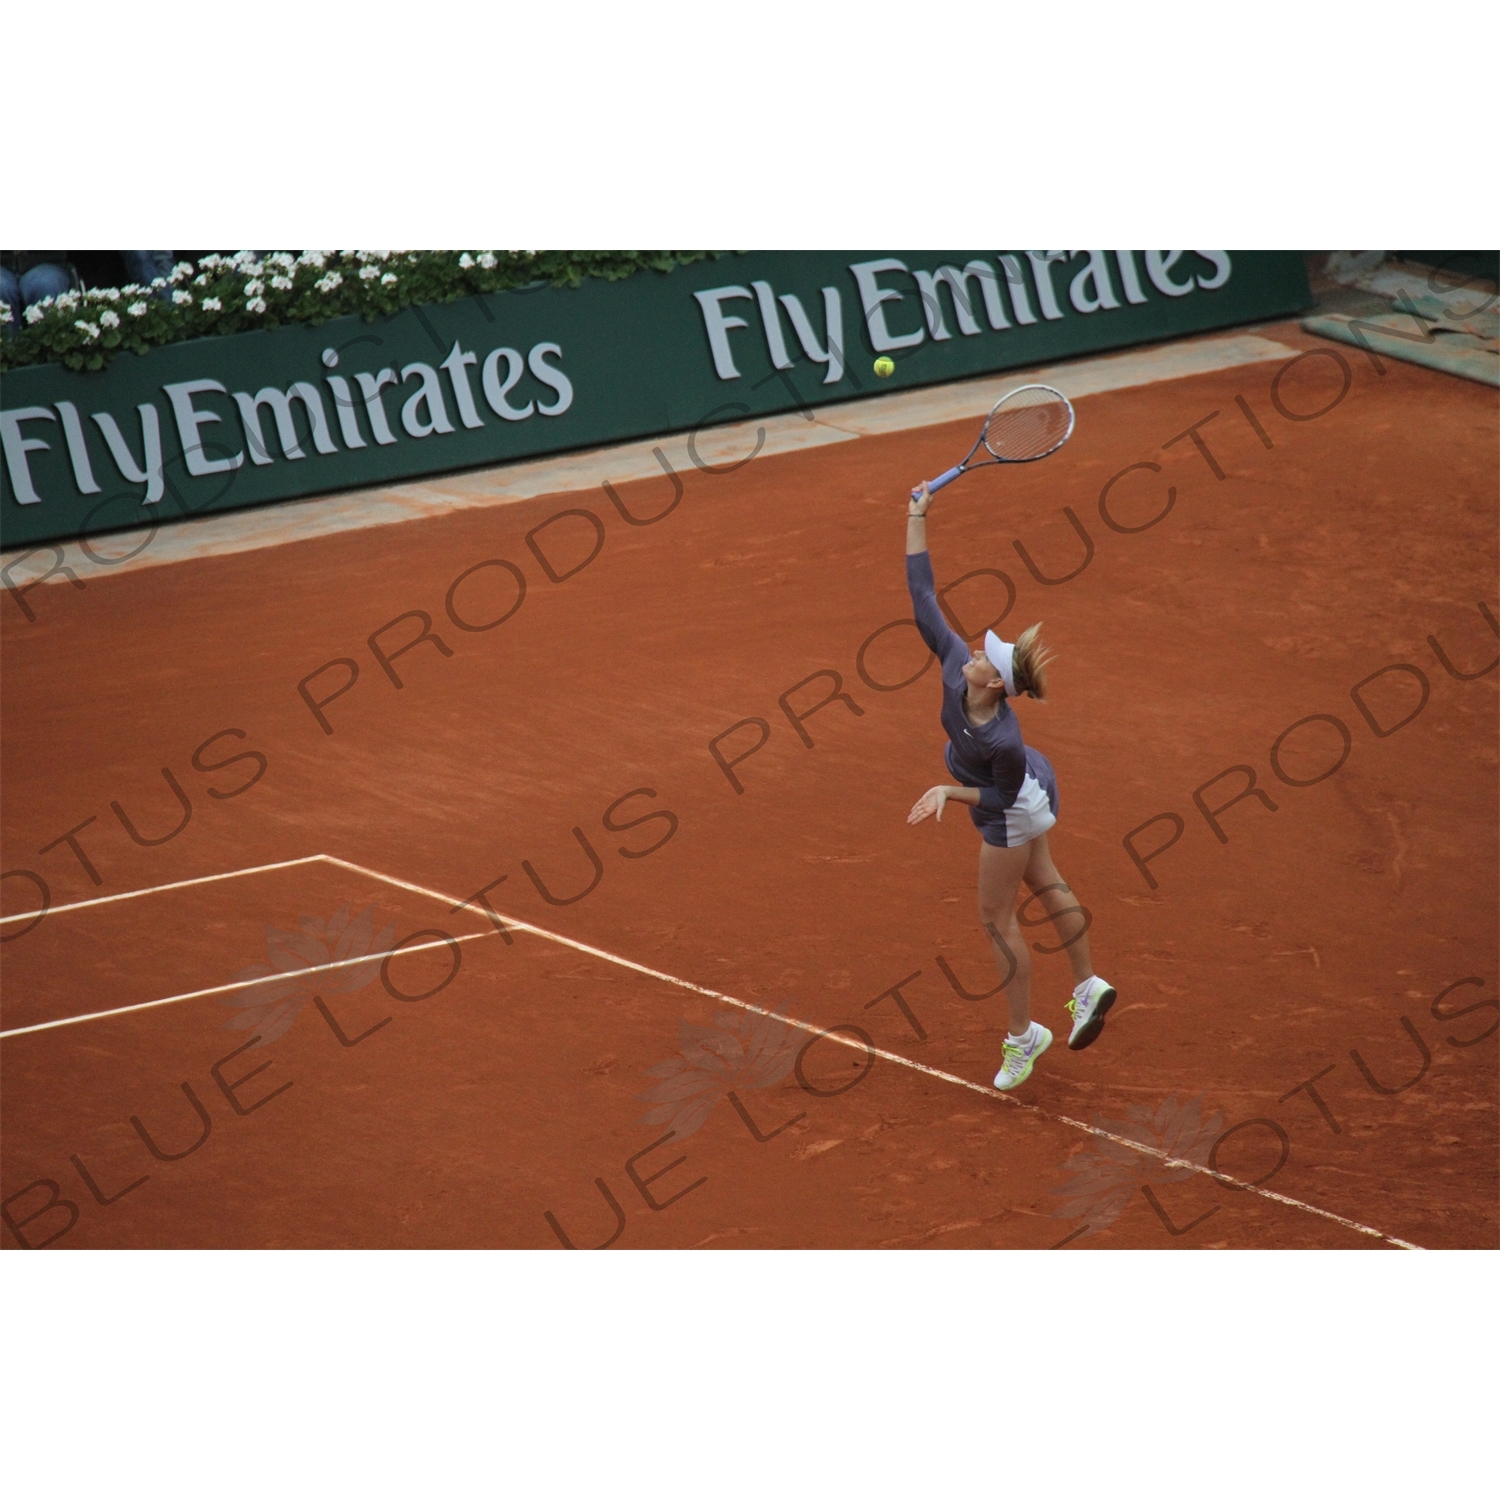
point(941, 640)
point(916, 521)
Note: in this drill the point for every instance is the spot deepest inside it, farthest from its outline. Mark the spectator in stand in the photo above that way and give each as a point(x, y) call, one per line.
point(145, 266)
point(27, 276)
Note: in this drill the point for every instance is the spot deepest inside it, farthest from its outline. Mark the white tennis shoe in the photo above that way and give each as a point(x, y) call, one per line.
point(1021, 1056)
point(1089, 1013)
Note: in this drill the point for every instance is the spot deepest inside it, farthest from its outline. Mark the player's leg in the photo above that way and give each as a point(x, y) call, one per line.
point(1057, 900)
point(1000, 872)
point(1092, 996)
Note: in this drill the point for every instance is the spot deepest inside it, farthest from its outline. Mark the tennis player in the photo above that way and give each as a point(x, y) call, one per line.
point(1011, 793)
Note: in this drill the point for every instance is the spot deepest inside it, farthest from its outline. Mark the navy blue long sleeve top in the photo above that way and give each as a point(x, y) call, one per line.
point(989, 756)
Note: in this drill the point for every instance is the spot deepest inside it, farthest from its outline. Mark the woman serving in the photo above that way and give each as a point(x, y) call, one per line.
point(1011, 793)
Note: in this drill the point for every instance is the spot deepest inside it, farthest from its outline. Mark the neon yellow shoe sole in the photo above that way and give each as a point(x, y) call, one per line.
point(1019, 1061)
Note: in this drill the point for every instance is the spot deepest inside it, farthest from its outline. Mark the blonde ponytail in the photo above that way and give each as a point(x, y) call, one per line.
point(1029, 664)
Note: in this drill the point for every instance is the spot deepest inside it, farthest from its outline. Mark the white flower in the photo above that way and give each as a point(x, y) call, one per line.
point(256, 305)
point(212, 304)
point(111, 294)
point(67, 301)
point(487, 260)
point(282, 283)
point(182, 299)
point(4, 312)
point(281, 258)
point(254, 288)
point(328, 283)
point(314, 258)
point(34, 313)
point(157, 282)
point(242, 257)
point(369, 273)
point(201, 280)
point(210, 262)
point(181, 271)
point(110, 319)
point(388, 279)
point(137, 309)
point(90, 330)
point(465, 261)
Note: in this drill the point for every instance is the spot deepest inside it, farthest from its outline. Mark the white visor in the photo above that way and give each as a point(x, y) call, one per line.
point(1001, 655)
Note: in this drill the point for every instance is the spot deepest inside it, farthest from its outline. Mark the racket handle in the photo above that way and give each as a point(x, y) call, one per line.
point(934, 485)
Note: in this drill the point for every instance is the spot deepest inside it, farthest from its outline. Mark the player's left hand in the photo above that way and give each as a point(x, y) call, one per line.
point(929, 804)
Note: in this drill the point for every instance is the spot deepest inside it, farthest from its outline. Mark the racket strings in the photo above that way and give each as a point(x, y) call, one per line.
point(1028, 423)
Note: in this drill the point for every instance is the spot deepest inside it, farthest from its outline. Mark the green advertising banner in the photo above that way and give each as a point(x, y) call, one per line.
point(222, 423)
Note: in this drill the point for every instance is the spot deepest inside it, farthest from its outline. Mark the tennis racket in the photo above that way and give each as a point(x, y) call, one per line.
point(1026, 424)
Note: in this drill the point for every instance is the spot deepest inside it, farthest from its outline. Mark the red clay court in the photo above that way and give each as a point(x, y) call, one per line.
point(1285, 684)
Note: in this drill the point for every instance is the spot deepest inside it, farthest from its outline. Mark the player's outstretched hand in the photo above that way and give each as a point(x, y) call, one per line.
point(929, 804)
point(920, 500)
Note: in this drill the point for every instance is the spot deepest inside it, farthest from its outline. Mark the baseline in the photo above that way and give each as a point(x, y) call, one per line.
point(515, 924)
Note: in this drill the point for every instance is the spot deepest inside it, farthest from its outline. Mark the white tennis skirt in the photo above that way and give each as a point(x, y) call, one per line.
point(1032, 813)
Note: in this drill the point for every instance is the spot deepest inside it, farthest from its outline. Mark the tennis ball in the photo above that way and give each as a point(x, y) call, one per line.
point(885, 366)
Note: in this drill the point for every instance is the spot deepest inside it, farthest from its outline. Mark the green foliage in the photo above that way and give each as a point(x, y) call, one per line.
point(244, 292)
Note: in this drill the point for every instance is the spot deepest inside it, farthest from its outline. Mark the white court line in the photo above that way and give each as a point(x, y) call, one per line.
point(906, 1062)
point(515, 924)
point(151, 890)
point(240, 984)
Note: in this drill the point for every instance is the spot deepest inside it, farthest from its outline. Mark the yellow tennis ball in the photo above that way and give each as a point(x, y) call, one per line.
point(885, 366)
